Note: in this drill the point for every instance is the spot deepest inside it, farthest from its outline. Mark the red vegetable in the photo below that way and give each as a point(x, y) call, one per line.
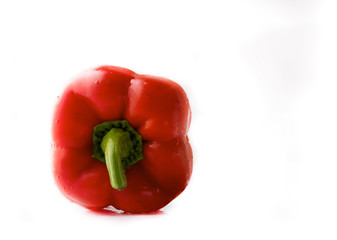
point(120, 139)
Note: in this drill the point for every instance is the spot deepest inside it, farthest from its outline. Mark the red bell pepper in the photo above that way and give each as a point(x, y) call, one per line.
point(120, 139)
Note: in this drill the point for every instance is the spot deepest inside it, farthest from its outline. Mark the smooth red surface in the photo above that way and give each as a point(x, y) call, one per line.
point(157, 108)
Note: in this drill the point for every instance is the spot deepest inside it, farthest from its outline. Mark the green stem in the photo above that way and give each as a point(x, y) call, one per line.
point(119, 146)
point(116, 145)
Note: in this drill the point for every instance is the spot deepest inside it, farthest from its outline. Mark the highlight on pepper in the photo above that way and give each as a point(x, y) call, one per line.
point(120, 140)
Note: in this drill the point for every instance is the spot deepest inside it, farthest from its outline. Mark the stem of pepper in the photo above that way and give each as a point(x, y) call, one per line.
point(116, 145)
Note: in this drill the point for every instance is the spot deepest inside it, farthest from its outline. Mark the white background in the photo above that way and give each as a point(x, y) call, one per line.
point(261, 79)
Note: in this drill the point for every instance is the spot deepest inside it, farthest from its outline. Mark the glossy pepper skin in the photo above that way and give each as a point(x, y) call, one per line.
point(157, 108)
